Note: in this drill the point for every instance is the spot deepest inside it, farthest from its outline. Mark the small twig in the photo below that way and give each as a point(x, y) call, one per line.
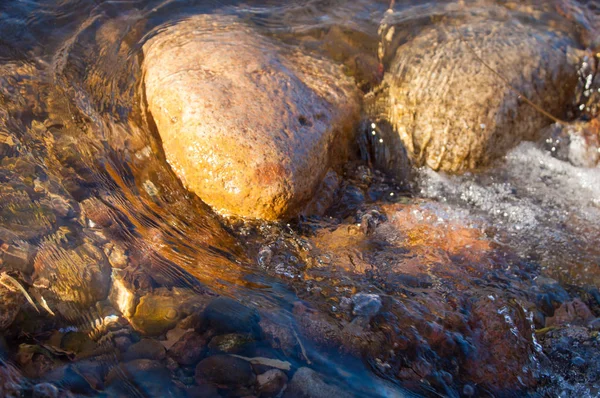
point(44, 304)
point(505, 80)
point(301, 346)
point(7, 278)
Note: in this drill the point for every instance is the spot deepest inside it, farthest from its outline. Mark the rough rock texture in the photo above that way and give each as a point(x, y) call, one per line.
point(225, 370)
point(80, 275)
point(10, 305)
point(308, 383)
point(249, 127)
point(453, 113)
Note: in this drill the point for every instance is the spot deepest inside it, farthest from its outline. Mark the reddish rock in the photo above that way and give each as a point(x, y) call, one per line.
point(189, 349)
point(573, 312)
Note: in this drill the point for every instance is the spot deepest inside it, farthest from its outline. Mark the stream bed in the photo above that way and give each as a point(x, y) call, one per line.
point(116, 281)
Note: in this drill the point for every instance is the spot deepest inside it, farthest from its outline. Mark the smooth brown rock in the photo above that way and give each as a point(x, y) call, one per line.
point(155, 314)
point(448, 109)
point(225, 371)
point(249, 127)
point(145, 349)
point(189, 349)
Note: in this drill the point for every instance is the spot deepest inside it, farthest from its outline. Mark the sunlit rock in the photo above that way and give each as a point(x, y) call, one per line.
point(122, 296)
point(160, 311)
point(441, 93)
point(251, 127)
point(80, 275)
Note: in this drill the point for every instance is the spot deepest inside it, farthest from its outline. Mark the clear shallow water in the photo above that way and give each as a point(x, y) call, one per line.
point(82, 172)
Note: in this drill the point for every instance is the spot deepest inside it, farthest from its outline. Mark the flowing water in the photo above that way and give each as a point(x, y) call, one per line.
point(434, 285)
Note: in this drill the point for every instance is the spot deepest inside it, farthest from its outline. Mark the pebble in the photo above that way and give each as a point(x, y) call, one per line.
point(122, 343)
point(189, 349)
point(468, 390)
point(45, 390)
point(271, 382)
point(224, 315)
point(366, 305)
point(232, 343)
point(145, 349)
point(308, 383)
point(225, 370)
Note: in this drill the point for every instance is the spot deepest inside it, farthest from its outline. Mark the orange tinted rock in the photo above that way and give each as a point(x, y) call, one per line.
point(250, 128)
point(433, 241)
point(449, 110)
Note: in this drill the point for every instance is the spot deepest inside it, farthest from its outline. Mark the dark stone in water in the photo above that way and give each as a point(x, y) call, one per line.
point(224, 315)
point(205, 390)
point(45, 390)
point(189, 349)
point(77, 342)
point(142, 377)
point(225, 371)
point(146, 349)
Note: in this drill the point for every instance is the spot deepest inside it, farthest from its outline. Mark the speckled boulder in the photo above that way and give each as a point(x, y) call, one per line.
point(447, 108)
point(249, 126)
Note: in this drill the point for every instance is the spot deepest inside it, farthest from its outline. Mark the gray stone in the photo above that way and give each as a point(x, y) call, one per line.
point(366, 305)
point(45, 390)
point(307, 383)
point(271, 382)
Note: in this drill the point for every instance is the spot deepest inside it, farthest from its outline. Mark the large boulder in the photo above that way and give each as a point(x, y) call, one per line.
point(250, 127)
point(441, 94)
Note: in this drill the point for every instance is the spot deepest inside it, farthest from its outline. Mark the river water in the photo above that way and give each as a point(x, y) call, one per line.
point(466, 268)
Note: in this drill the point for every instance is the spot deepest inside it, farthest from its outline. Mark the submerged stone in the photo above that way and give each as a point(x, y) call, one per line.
point(80, 275)
point(249, 127)
point(225, 371)
point(225, 315)
point(10, 305)
point(445, 104)
point(271, 383)
point(308, 383)
point(189, 349)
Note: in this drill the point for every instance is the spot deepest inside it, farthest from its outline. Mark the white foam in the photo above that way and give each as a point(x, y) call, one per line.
point(529, 196)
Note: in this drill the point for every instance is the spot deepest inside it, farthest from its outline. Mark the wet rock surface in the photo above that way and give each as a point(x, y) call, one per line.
point(275, 121)
point(307, 383)
point(225, 371)
point(445, 103)
point(141, 290)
